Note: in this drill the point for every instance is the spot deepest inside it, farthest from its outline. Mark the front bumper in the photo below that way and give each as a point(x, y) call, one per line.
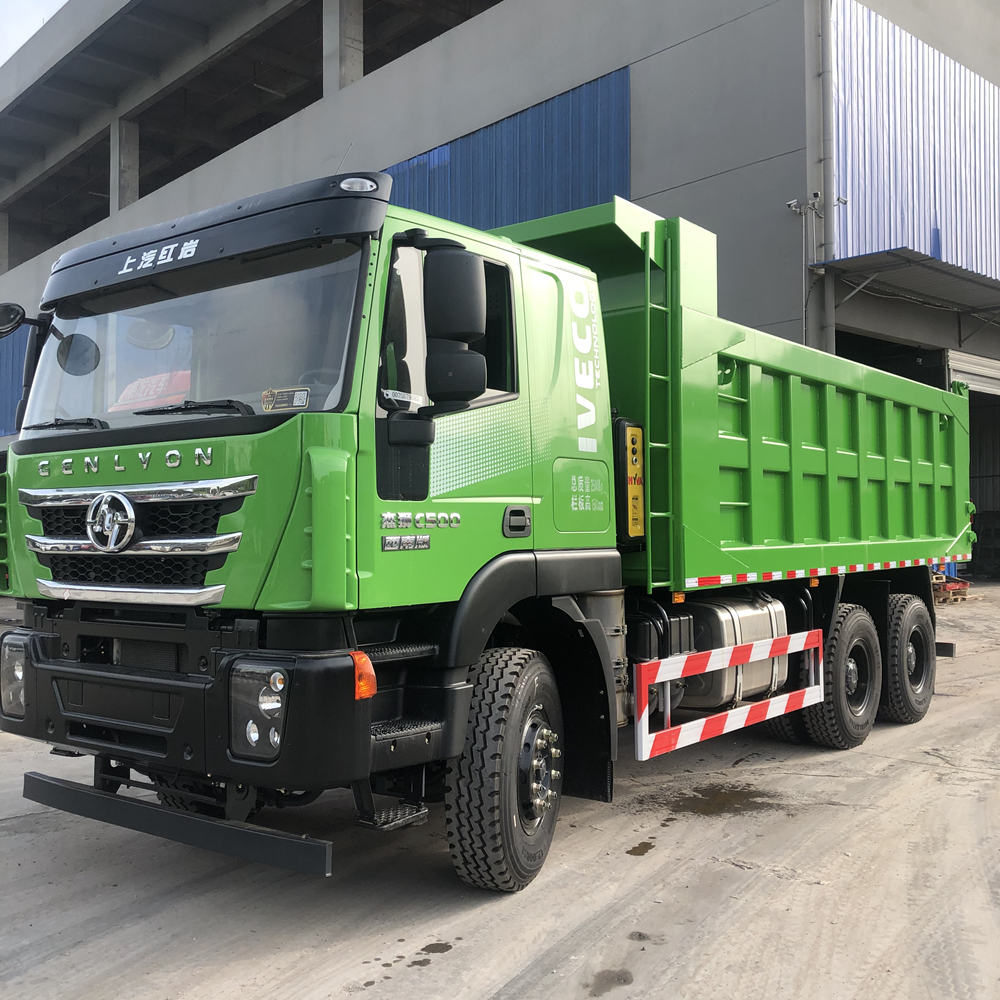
point(241, 840)
point(173, 721)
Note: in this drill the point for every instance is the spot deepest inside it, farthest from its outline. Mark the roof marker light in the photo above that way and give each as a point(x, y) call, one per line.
point(358, 184)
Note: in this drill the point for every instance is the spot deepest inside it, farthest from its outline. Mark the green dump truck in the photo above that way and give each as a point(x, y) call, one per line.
point(312, 492)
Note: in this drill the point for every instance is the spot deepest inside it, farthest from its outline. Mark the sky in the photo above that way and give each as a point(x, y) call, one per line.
point(19, 20)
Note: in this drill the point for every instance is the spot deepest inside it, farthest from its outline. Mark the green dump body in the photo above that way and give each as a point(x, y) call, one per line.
point(765, 459)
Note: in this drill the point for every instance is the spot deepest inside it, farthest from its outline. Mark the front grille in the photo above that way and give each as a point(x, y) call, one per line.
point(131, 571)
point(187, 513)
point(160, 520)
point(154, 520)
point(65, 522)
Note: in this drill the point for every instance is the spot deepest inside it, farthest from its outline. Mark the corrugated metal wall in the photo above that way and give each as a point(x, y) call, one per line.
point(12, 350)
point(918, 146)
point(569, 152)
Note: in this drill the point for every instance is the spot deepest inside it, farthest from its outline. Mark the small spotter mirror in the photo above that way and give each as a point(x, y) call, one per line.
point(78, 354)
point(11, 317)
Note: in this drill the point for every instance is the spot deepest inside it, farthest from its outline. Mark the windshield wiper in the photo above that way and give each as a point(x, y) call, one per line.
point(101, 425)
point(207, 406)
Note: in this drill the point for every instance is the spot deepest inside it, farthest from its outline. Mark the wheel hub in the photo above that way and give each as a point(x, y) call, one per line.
point(851, 679)
point(911, 659)
point(535, 774)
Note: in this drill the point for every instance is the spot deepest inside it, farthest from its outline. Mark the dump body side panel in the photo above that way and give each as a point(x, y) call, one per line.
point(764, 459)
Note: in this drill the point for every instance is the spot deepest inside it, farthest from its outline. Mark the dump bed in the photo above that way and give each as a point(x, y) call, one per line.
point(765, 459)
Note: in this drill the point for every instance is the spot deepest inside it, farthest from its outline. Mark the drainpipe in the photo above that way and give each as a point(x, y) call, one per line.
point(828, 330)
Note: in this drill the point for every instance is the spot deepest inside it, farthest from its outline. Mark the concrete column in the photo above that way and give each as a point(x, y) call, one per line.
point(4, 243)
point(343, 44)
point(124, 163)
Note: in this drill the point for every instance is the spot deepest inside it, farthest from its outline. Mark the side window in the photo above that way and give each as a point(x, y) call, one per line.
point(402, 471)
point(403, 353)
point(498, 344)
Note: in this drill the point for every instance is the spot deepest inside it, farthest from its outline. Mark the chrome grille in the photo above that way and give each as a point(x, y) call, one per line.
point(175, 545)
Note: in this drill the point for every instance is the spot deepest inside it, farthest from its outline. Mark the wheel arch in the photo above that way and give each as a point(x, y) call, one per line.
point(537, 589)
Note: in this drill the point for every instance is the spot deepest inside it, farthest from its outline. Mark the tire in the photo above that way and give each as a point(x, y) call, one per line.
point(908, 681)
point(498, 831)
point(852, 679)
point(789, 728)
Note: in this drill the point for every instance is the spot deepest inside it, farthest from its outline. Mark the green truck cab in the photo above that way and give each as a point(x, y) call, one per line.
point(313, 492)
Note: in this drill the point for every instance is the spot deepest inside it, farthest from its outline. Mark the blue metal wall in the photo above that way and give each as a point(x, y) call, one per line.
point(569, 152)
point(12, 350)
point(918, 147)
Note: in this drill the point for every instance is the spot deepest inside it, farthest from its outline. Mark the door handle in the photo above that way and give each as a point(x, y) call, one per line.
point(517, 521)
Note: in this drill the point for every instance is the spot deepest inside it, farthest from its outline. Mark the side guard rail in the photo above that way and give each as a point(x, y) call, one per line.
point(661, 672)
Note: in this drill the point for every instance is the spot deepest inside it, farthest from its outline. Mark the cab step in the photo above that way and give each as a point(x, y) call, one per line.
point(390, 817)
point(401, 651)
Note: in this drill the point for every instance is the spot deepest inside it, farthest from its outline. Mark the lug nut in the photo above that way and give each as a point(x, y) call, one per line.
point(550, 796)
point(536, 787)
point(555, 775)
point(556, 753)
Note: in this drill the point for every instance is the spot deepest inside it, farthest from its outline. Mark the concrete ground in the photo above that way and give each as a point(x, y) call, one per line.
point(738, 869)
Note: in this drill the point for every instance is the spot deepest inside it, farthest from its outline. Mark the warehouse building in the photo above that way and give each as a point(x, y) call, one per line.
point(847, 155)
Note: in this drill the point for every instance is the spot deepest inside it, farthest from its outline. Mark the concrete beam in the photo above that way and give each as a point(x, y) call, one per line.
point(121, 59)
point(343, 44)
point(57, 123)
point(124, 184)
point(170, 24)
point(4, 243)
point(96, 95)
point(252, 19)
point(61, 35)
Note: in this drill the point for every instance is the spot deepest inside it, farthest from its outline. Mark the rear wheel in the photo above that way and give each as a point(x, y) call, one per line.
point(852, 678)
point(788, 728)
point(908, 685)
point(502, 795)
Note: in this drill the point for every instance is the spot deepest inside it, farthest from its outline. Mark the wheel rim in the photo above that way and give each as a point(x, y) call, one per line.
point(535, 774)
point(916, 661)
point(858, 679)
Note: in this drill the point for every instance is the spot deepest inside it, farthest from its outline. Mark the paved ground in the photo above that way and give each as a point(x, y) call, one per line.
point(741, 869)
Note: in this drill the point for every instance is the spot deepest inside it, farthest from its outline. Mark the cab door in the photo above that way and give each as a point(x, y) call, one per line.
point(436, 515)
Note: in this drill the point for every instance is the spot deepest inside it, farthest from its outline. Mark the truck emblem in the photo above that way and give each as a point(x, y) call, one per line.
point(110, 522)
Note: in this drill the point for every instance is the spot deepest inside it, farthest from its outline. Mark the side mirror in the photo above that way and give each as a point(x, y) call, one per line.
point(454, 316)
point(12, 317)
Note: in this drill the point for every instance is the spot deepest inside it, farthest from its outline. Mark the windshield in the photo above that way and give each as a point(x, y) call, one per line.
point(265, 335)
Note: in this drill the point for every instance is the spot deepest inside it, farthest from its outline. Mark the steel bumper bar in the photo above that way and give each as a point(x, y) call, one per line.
point(239, 840)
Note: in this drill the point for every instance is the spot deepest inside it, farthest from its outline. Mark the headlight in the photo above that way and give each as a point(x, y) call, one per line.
point(13, 657)
point(257, 697)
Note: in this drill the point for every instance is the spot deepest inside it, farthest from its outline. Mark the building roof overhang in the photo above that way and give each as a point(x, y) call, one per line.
point(915, 276)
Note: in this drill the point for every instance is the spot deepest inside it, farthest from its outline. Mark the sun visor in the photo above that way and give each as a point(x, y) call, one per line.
point(140, 262)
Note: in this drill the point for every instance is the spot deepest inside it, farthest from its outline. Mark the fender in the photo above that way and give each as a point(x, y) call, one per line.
point(515, 576)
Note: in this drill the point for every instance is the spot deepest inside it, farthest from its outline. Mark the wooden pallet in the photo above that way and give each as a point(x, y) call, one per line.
point(955, 596)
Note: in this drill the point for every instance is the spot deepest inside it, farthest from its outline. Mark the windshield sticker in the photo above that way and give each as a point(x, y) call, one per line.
point(296, 398)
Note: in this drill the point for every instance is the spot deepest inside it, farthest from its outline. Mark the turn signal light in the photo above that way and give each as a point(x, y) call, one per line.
point(365, 685)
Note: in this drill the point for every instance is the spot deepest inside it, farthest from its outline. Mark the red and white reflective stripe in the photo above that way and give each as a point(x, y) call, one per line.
point(655, 744)
point(689, 664)
point(649, 744)
point(693, 582)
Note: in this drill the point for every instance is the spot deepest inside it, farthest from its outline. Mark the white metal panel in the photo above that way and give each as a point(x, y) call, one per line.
point(981, 374)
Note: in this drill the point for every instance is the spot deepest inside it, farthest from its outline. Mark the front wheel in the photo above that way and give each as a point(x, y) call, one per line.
point(502, 795)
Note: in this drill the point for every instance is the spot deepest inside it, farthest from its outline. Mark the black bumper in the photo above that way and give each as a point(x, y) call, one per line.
point(240, 840)
point(176, 721)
